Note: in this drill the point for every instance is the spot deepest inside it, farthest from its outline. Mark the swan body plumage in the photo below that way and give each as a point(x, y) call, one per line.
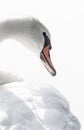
point(32, 106)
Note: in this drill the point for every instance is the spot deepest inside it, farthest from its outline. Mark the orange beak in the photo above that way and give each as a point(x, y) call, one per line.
point(45, 57)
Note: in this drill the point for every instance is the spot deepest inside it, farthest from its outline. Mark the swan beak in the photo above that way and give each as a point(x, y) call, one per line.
point(45, 57)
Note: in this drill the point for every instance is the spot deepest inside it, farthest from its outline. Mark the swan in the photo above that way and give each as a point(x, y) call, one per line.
point(33, 106)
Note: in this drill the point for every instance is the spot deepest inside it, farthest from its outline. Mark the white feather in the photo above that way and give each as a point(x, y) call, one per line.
point(28, 106)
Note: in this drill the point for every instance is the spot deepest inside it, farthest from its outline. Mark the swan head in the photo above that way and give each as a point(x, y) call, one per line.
point(42, 42)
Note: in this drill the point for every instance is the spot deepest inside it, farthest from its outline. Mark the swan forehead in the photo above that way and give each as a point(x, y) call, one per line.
point(39, 28)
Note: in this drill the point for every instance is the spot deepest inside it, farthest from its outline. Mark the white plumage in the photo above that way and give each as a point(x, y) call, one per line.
point(30, 106)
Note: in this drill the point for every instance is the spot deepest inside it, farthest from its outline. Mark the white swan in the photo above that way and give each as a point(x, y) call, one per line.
point(28, 106)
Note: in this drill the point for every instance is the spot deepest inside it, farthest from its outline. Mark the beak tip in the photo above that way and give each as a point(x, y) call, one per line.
point(54, 73)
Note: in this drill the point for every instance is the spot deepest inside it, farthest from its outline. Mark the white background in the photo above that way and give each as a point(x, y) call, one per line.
point(65, 21)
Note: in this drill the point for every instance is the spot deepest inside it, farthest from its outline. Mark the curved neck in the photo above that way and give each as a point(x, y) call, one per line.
point(24, 31)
